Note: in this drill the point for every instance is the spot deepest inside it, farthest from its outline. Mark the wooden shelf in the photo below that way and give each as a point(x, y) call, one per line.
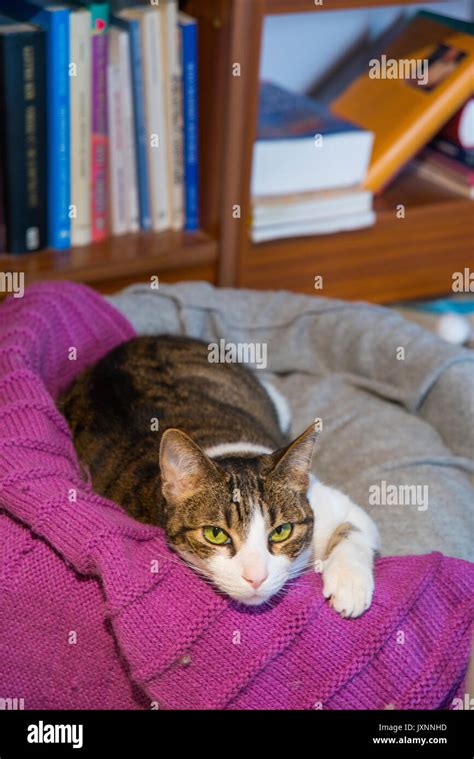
point(118, 260)
point(413, 257)
point(308, 6)
point(398, 258)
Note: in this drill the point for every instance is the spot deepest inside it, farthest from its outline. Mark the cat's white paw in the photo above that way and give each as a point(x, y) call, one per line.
point(349, 586)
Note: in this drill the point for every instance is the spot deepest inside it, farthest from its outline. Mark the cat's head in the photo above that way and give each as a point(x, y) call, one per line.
point(245, 522)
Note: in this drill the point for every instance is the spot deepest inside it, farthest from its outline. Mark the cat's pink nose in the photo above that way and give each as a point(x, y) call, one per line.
point(255, 580)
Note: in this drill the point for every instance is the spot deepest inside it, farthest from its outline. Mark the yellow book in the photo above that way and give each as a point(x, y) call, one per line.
point(408, 94)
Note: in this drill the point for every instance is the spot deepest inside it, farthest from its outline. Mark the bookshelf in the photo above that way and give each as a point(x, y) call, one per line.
point(397, 258)
point(122, 260)
point(119, 260)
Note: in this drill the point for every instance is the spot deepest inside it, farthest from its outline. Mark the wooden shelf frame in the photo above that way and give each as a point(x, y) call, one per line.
point(120, 260)
point(409, 258)
point(309, 6)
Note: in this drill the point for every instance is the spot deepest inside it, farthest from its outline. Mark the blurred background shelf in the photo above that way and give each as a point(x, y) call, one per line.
point(409, 257)
point(119, 261)
point(397, 258)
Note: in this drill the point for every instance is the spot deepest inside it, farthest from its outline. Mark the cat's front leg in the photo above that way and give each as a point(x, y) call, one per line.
point(344, 543)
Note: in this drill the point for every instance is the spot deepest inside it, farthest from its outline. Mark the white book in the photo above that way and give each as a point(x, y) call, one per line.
point(302, 146)
point(129, 131)
point(155, 117)
point(310, 227)
point(310, 206)
point(81, 125)
point(119, 217)
point(174, 111)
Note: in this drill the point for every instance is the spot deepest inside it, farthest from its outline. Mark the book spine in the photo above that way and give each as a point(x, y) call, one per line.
point(190, 109)
point(139, 125)
point(23, 127)
point(3, 225)
point(175, 114)
point(128, 131)
point(99, 198)
point(80, 139)
point(157, 133)
point(59, 224)
point(56, 25)
point(117, 180)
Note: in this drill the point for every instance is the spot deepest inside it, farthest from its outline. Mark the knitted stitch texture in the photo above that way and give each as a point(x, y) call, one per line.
point(97, 612)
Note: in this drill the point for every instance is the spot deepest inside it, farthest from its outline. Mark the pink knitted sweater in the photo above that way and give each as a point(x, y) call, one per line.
point(96, 612)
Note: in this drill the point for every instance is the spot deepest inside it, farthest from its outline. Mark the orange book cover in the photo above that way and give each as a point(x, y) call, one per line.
point(409, 93)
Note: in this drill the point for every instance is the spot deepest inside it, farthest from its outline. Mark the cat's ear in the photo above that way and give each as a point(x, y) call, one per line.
point(293, 463)
point(185, 468)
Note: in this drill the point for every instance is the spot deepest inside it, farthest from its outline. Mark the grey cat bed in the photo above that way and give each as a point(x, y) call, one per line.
point(398, 432)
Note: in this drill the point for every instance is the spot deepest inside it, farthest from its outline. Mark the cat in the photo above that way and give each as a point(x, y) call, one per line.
point(199, 449)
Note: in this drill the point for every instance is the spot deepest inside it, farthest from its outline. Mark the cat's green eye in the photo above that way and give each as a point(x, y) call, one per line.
point(281, 533)
point(216, 536)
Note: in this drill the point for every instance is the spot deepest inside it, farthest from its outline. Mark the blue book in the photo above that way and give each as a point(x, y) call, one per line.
point(55, 21)
point(188, 30)
point(132, 26)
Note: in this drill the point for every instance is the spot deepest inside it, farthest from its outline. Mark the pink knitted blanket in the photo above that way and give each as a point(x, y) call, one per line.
point(96, 612)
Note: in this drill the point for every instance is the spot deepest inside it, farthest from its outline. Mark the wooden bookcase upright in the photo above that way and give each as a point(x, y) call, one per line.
point(409, 258)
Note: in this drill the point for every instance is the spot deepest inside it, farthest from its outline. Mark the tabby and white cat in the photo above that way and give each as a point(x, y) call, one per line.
point(236, 499)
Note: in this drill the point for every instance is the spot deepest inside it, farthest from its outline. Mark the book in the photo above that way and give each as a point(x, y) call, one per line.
point(310, 227)
point(23, 134)
point(453, 150)
point(174, 110)
point(446, 172)
point(188, 29)
point(460, 129)
point(3, 223)
point(156, 117)
point(407, 95)
point(55, 22)
point(302, 146)
point(309, 206)
point(81, 124)
point(119, 206)
point(152, 32)
point(125, 68)
point(354, 61)
point(99, 136)
point(132, 25)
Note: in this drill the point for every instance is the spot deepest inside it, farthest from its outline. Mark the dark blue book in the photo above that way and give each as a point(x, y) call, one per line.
point(132, 26)
point(54, 20)
point(23, 134)
point(188, 29)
